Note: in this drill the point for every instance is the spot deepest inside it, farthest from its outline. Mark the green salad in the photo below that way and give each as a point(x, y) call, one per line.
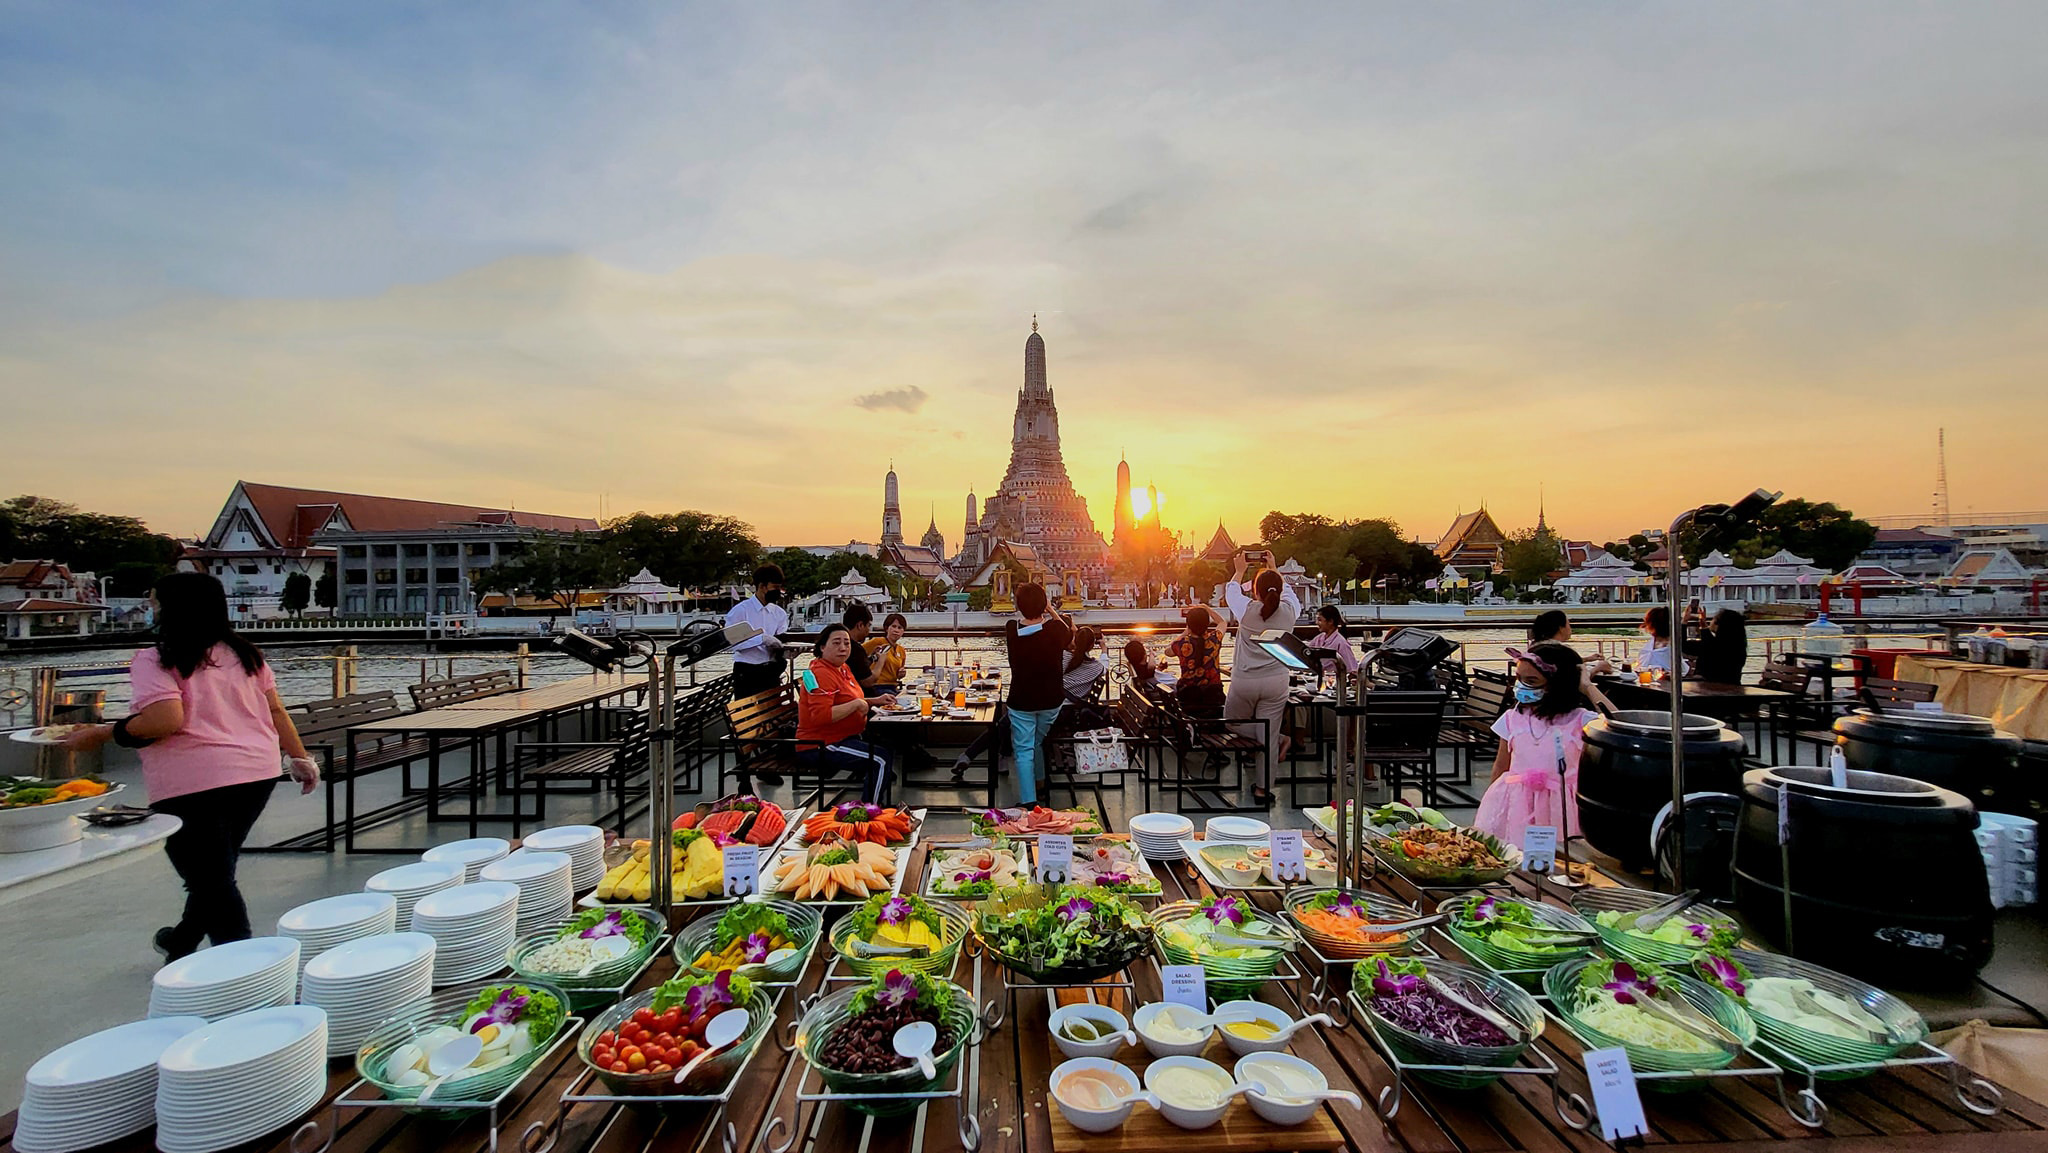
point(1509, 924)
point(1074, 927)
point(1679, 929)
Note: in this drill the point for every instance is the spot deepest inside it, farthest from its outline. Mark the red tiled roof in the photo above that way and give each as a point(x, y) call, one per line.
point(41, 605)
point(1911, 536)
point(1465, 528)
point(293, 515)
point(23, 573)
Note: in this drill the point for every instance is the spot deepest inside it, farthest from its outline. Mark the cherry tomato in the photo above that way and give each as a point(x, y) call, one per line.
point(636, 1061)
point(608, 1039)
point(643, 1016)
point(661, 1069)
point(602, 1055)
point(620, 1067)
point(673, 1055)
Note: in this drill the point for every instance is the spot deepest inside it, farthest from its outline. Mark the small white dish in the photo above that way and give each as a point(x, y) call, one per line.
point(1270, 1014)
point(1115, 1027)
point(1188, 1116)
point(1282, 1110)
point(1161, 1048)
point(1079, 1114)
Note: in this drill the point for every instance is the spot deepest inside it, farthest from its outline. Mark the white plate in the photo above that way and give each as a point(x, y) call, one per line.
point(524, 866)
point(368, 957)
point(1167, 825)
point(416, 879)
point(110, 1053)
point(329, 914)
point(225, 1045)
point(1238, 829)
point(564, 838)
point(471, 851)
point(467, 902)
point(223, 964)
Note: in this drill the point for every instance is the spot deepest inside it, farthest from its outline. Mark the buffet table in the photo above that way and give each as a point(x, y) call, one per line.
point(2014, 699)
point(96, 849)
point(1907, 1109)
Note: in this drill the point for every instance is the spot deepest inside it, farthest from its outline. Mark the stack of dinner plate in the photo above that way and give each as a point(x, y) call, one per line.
point(366, 981)
point(1236, 831)
point(585, 846)
point(408, 883)
point(96, 1089)
point(473, 927)
point(545, 893)
point(235, 1080)
point(321, 925)
point(1159, 835)
point(227, 979)
point(472, 854)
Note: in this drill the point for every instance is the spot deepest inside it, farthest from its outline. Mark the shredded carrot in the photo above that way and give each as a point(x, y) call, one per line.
point(1348, 928)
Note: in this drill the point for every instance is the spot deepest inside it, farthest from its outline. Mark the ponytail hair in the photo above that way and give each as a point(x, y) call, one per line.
point(1269, 586)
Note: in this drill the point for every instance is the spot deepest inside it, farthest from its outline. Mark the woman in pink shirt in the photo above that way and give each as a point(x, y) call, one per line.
point(207, 722)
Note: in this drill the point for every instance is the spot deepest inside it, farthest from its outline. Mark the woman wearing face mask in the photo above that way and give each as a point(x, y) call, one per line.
point(1536, 772)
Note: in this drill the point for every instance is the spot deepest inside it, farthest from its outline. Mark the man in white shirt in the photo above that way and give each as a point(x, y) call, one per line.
point(757, 663)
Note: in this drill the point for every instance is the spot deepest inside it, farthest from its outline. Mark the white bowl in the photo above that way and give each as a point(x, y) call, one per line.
point(1182, 1115)
point(1272, 1109)
point(1098, 1120)
point(1107, 1047)
point(1158, 1048)
point(1270, 1014)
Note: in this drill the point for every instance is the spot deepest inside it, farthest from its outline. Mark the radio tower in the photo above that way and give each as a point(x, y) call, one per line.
point(1941, 516)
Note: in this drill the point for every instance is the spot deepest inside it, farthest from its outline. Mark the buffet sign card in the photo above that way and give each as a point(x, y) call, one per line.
point(1055, 857)
point(1539, 848)
point(742, 870)
point(1615, 1097)
point(1184, 985)
point(1289, 861)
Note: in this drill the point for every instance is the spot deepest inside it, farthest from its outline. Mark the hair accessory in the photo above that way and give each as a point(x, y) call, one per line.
point(1542, 666)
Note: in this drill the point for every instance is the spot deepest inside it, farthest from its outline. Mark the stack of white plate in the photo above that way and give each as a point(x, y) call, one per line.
point(236, 1080)
point(97, 1088)
point(473, 927)
point(1159, 835)
point(408, 883)
point(321, 925)
point(472, 854)
point(545, 894)
point(1236, 831)
point(585, 846)
point(365, 981)
point(227, 979)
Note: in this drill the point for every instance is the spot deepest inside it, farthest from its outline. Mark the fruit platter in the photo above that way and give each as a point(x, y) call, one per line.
point(592, 955)
point(741, 819)
point(502, 1028)
point(636, 1047)
point(1062, 934)
point(37, 814)
point(1034, 821)
point(970, 874)
point(891, 931)
point(1109, 863)
point(1430, 1011)
point(836, 871)
point(846, 1038)
point(769, 942)
point(696, 870)
point(864, 822)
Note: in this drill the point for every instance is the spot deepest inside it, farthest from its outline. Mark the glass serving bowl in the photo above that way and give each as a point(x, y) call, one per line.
point(1560, 984)
point(1591, 902)
point(1379, 908)
point(1228, 977)
point(1819, 1049)
point(957, 925)
point(586, 990)
point(830, 1014)
point(1093, 969)
point(1522, 966)
point(805, 921)
point(445, 1008)
point(706, 1080)
point(1383, 848)
point(1472, 983)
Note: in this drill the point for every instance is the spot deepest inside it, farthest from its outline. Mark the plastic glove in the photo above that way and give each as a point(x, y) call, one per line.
point(306, 771)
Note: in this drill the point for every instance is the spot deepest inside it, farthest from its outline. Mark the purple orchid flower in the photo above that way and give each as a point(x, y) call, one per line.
point(1723, 972)
point(1111, 878)
point(856, 810)
point(994, 816)
point(1486, 909)
point(613, 925)
point(1344, 906)
point(1076, 909)
point(1629, 986)
point(1700, 932)
point(1224, 909)
point(894, 911)
point(897, 989)
point(971, 877)
point(704, 1000)
point(1391, 984)
point(506, 1010)
point(755, 947)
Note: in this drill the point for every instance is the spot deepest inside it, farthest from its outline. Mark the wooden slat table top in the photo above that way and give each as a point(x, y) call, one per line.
point(1908, 1111)
point(559, 695)
point(446, 720)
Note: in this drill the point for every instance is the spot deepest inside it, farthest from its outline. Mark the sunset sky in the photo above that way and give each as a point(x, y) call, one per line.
point(1367, 260)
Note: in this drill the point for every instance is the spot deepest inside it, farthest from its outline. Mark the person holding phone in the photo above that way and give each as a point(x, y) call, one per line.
point(1259, 683)
point(1038, 644)
point(832, 713)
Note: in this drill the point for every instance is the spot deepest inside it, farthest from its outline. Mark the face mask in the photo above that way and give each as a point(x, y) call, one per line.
point(1527, 694)
point(771, 596)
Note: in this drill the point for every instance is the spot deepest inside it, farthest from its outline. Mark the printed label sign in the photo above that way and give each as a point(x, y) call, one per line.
point(1614, 1094)
point(742, 870)
point(1290, 863)
point(1185, 985)
point(1055, 857)
point(1539, 848)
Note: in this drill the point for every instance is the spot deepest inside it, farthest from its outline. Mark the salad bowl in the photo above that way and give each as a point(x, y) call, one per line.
point(1062, 934)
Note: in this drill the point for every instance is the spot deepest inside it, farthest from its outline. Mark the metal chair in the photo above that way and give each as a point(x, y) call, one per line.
point(1399, 732)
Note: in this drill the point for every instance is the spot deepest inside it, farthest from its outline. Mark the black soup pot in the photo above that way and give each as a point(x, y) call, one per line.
point(1625, 775)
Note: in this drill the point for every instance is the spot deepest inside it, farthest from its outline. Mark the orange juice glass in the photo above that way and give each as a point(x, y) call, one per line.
point(1645, 676)
point(959, 698)
point(924, 705)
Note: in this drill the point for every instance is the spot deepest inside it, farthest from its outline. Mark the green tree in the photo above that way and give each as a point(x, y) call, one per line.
point(1832, 536)
point(980, 599)
point(323, 589)
point(553, 568)
point(688, 549)
point(120, 547)
point(802, 573)
point(1277, 525)
point(298, 593)
point(1530, 556)
point(1377, 551)
point(1204, 575)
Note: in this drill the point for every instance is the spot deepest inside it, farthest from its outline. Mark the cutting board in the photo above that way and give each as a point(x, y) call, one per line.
point(1240, 1131)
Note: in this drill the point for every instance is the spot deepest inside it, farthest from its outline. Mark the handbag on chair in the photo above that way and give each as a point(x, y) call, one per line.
point(1099, 751)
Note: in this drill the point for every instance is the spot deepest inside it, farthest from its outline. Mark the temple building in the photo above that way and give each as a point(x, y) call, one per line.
point(1121, 537)
point(892, 512)
point(1036, 505)
point(1473, 542)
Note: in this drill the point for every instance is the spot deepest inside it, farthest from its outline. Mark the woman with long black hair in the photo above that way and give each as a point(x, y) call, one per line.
point(1258, 682)
point(206, 720)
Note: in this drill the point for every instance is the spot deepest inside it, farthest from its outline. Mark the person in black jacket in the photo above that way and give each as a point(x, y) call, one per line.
point(1722, 650)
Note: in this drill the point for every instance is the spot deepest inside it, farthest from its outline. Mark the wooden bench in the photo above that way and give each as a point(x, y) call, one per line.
point(455, 690)
point(1186, 735)
point(324, 726)
point(1785, 677)
point(1468, 726)
point(616, 760)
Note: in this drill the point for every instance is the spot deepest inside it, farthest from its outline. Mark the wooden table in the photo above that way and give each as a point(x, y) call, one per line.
point(1907, 1111)
point(569, 694)
point(944, 732)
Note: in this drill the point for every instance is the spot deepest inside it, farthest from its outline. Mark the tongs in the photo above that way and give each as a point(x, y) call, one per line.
point(1483, 1012)
point(1684, 1014)
point(869, 949)
point(1652, 916)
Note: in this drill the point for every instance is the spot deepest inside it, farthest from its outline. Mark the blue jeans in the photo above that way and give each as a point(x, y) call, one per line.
point(1027, 738)
point(855, 756)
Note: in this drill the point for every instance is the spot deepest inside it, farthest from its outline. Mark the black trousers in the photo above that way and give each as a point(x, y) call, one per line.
point(755, 677)
point(205, 852)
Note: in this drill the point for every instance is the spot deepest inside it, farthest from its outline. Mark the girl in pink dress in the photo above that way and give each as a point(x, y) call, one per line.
point(1536, 772)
